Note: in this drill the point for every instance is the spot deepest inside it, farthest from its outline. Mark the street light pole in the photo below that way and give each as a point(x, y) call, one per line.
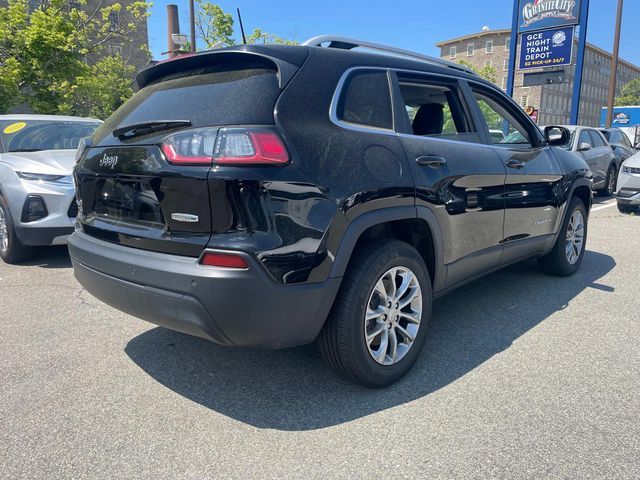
point(192, 25)
point(613, 76)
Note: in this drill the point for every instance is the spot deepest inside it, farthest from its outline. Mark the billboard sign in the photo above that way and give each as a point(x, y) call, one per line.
point(622, 116)
point(546, 48)
point(543, 14)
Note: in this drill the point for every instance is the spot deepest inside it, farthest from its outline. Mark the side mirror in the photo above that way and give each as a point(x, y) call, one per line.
point(556, 135)
point(584, 146)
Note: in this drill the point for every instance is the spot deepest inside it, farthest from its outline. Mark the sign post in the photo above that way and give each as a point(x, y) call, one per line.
point(513, 45)
point(577, 81)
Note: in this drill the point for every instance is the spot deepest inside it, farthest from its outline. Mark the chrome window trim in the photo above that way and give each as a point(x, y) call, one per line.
point(333, 107)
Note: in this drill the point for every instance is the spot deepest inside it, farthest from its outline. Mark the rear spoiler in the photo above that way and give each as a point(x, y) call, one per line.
point(287, 60)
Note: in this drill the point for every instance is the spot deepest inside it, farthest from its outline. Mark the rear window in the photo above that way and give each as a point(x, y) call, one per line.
point(365, 100)
point(206, 98)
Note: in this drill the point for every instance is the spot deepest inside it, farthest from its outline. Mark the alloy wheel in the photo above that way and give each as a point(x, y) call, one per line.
point(575, 237)
point(612, 182)
point(393, 315)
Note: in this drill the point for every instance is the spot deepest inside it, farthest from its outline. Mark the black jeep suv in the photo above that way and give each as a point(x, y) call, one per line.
point(269, 196)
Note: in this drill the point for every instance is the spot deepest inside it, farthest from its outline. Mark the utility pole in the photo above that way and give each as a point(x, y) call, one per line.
point(192, 25)
point(613, 76)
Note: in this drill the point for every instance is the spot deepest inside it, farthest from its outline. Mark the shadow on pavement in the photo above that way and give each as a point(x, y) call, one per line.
point(294, 390)
point(49, 257)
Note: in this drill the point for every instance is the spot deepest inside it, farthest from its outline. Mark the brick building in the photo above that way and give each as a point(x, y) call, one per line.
point(492, 47)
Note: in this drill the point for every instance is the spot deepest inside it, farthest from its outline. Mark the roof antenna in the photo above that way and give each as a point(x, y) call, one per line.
point(244, 39)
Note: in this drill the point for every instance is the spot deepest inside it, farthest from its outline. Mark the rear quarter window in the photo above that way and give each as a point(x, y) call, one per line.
point(365, 100)
point(206, 98)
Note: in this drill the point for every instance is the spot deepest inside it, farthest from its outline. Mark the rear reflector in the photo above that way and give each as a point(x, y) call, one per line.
point(241, 146)
point(226, 260)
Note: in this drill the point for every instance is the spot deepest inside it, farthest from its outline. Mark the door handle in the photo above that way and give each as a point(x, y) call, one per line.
point(431, 161)
point(513, 163)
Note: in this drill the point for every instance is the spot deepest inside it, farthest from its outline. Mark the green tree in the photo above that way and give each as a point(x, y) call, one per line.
point(55, 57)
point(630, 94)
point(488, 72)
point(214, 26)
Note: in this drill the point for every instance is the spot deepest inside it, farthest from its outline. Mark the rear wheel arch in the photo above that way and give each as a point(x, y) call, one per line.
point(417, 227)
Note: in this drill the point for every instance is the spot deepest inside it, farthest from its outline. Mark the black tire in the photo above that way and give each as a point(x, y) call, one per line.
point(342, 340)
point(556, 261)
point(627, 208)
point(609, 182)
point(14, 251)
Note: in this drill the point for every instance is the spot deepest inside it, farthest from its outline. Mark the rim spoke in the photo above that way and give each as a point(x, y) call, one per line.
point(371, 314)
point(406, 282)
point(373, 334)
point(393, 345)
point(409, 298)
point(384, 344)
point(392, 284)
point(411, 317)
point(403, 331)
point(381, 289)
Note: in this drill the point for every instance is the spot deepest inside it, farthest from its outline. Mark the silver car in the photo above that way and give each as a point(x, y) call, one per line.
point(591, 145)
point(628, 192)
point(37, 196)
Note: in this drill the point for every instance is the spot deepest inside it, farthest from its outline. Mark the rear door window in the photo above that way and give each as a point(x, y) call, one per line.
point(434, 108)
point(365, 100)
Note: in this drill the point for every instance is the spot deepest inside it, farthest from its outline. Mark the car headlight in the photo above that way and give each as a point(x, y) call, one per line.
point(626, 169)
point(43, 177)
point(83, 144)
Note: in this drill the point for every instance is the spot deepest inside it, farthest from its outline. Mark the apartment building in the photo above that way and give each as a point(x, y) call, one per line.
point(491, 48)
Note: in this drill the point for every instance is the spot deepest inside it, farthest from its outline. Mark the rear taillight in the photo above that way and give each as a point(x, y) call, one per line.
point(224, 260)
point(190, 147)
point(227, 146)
point(246, 146)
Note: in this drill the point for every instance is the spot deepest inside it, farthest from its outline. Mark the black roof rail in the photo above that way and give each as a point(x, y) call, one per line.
point(345, 43)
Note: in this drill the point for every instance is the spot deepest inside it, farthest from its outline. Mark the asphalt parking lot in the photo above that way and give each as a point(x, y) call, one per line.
point(522, 376)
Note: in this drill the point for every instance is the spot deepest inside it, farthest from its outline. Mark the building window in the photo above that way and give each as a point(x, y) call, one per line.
point(33, 5)
point(470, 49)
point(488, 64)
point(115, 50)
point(489, 46)
point(452, 52)
point(507, 44)
point(505, 64)
point(114, 21)
point(504, 83)
point(524, 101)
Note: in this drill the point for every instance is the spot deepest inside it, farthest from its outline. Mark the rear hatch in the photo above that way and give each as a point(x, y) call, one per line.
point(144, 181)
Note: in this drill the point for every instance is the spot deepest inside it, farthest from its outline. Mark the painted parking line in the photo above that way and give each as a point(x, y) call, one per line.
point(610, 203)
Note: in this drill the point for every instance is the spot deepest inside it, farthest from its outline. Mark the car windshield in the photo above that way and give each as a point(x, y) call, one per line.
point(34, 135)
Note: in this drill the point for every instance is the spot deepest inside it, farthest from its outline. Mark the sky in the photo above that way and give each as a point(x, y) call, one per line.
point(409, 24)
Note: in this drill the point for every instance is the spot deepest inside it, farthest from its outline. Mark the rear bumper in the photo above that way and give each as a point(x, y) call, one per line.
point(229, 307)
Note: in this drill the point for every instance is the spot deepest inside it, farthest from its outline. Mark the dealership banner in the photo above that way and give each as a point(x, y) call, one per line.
point(546, 48)
point(543, 14)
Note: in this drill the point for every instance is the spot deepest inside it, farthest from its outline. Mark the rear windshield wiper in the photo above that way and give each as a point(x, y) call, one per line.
point(25, 150)
point(135, 129)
